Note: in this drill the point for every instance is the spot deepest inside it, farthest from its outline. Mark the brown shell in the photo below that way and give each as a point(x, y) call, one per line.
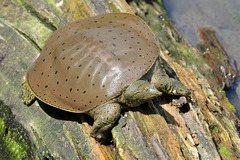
point(92, 60)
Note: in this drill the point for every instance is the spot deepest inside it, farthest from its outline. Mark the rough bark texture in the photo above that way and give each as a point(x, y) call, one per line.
point(205, 128)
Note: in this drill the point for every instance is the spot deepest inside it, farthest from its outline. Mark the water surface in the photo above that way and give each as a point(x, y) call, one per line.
point(220, 15)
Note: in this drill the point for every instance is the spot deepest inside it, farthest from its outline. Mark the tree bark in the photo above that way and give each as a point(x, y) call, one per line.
point(204, 128)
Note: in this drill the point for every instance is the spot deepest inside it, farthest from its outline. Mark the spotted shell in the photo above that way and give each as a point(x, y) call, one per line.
point(92, 60)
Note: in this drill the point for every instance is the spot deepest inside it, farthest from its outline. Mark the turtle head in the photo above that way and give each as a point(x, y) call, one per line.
point(138, 93)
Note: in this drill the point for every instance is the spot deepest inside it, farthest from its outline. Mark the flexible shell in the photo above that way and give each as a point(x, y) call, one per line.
point(92, 60)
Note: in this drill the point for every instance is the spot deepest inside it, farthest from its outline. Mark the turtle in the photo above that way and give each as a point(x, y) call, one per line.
point(98, 66)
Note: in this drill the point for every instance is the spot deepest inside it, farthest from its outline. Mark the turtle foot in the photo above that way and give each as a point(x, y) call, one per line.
point(101, 134)
point(105, 117)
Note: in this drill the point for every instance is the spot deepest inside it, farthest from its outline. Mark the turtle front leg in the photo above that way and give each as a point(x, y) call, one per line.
point(28, 97)
point(104, 118)
point(166, 84)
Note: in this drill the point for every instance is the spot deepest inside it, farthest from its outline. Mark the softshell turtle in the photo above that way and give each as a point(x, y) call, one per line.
point(98, 65)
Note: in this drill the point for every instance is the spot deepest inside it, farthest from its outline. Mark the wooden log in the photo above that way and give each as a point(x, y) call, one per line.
point(204, 128)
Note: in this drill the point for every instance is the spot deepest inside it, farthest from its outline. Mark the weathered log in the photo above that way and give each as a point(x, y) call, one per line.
point(205, 128)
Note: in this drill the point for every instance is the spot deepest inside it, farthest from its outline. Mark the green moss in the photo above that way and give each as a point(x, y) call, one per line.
point(222, 91)
point(226, 101)
point(219, 55)
point(225, 150)
point(160, 2)
point(231, 107)
point(216, 129)
point(13, 139)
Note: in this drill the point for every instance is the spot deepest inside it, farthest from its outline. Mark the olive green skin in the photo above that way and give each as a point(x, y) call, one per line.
point(59, 74)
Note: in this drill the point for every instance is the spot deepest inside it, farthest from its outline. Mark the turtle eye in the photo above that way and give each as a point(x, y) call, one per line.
point(145, 89)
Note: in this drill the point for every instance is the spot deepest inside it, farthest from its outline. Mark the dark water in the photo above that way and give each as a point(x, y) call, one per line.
point(222, 16)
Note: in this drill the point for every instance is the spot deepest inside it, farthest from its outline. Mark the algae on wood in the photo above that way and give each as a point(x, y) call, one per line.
point(204, 128)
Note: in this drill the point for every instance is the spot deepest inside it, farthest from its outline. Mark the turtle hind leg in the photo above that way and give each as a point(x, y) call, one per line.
point(28, 97)
point(166, 84)
point(104, 117)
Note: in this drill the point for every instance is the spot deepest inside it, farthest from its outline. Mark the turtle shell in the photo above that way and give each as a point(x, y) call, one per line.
point(92, 60)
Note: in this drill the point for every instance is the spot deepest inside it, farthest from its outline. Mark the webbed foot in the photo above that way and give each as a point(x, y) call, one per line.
point(166, 84)
point(172, 87)
point(104, 118)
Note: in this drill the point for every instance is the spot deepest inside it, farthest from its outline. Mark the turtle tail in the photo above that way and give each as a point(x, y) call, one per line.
point(28, 98)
